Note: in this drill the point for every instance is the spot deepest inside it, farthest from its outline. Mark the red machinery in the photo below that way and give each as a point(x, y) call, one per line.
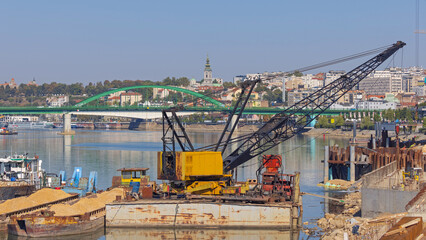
point(274, 182)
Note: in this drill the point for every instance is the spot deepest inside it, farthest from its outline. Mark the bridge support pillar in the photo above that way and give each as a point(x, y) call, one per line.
point(67, 125)
point(326, 167)
point(233, 122)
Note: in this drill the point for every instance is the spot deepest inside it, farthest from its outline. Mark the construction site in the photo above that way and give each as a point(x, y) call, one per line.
point(382, 182)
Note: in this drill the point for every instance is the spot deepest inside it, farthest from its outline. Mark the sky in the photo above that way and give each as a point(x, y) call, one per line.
point(92, 41)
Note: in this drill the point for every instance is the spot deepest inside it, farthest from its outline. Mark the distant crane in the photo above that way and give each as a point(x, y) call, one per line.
point(417, 32)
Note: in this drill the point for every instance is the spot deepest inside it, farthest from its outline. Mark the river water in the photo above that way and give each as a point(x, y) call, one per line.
point(105, 151)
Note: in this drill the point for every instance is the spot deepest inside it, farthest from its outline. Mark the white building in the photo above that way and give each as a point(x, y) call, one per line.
point(57, 101)
point(376, 105)
point(333, 75)
point(239, 78)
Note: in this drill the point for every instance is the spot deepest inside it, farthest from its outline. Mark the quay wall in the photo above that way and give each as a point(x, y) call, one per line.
point(382, 177)
point(377, 201)
point(381, 192)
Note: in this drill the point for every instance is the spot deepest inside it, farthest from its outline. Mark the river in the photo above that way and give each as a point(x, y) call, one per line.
point(105, 151)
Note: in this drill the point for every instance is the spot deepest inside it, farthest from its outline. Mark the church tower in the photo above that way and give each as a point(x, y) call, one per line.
point(208, 78)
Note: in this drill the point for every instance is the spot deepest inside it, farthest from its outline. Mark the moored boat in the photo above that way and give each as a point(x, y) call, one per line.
point(21, 168)
point(4, 130)
point(47, 225)
point(7, 132)
point(84, 215)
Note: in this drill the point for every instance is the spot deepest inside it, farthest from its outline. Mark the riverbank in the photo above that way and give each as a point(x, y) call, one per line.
point(338, 133)
point(152, 126)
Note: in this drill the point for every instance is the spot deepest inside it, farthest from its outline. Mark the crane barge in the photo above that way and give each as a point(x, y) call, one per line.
point(205, 175)
point(205, 171)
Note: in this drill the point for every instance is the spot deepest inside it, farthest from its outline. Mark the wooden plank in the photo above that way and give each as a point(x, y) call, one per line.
point(412, 222)
point(399, 231)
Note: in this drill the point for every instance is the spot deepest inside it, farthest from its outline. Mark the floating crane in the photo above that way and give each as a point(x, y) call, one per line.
point(205, 170)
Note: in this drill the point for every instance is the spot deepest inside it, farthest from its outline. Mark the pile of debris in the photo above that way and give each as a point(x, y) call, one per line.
point(343, 226)
point(352, 203)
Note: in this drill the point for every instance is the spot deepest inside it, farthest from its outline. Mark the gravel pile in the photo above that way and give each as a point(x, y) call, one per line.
point(86, 204)
point(42, 196)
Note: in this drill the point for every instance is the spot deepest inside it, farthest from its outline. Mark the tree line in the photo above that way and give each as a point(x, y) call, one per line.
point(367, 122)
point(36, 95)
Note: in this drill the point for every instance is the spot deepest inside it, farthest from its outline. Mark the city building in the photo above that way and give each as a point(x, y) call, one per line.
point(420, 90)
point(160, 93)
point(11, 84)
point(32, 83)
point(208, 76)
point(113, 101)
point(333, 75)
point(297, 95)
point(352, 96)
point(239, 78)
point(130, 98)
point(57, 101)
point(208, 79)
point(375, 105)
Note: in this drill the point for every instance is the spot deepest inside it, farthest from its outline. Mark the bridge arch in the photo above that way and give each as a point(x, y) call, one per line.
point(195, 94)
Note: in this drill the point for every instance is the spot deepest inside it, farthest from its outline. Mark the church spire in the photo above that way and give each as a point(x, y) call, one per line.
point(207, 68)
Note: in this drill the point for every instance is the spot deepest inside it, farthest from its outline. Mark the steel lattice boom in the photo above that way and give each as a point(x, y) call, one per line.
point(285, 125)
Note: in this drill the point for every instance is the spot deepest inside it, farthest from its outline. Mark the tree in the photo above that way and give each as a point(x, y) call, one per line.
point(377, 117)
point(229, 85)
point(339, 121)
point(366, 123)
point(322, 122)
point(261, 87)
point(389, 115)
point(183, 81)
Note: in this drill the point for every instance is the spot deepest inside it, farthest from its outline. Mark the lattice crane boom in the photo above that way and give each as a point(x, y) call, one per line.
point(285, 125)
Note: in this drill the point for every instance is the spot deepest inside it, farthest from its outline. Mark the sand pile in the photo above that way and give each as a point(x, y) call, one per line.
point(87, 204)
point(42, 196)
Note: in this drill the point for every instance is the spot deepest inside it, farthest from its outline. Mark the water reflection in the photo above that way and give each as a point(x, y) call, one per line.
point(202, 234)
point(87, 236)
point(106, 151)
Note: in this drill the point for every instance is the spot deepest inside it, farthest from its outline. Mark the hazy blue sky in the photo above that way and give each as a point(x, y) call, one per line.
point(91, 41)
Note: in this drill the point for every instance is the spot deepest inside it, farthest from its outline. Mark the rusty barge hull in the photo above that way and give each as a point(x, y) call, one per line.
point(188, 214)
point(53, 226)
point(5, 218)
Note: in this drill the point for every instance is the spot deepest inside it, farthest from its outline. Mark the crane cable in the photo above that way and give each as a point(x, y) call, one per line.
point(340, 60)
point(319, 65)
point(308, 141)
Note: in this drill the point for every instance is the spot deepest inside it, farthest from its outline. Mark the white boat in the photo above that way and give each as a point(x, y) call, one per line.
point(21, 168)
point(31, 125)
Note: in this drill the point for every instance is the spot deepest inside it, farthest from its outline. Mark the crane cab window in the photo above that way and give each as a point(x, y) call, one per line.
point(136, 174)
point(126, 175)
point(133, 175)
